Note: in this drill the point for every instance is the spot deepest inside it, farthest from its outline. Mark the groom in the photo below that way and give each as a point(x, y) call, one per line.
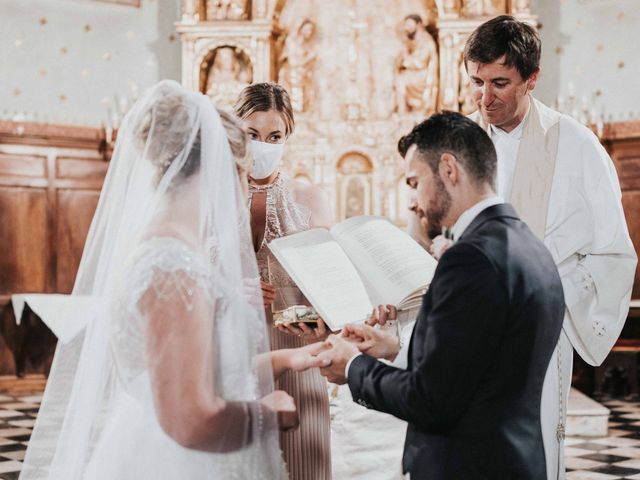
point(486, 330)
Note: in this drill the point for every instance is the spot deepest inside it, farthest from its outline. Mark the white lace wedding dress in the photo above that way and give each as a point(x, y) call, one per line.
point(132, 438)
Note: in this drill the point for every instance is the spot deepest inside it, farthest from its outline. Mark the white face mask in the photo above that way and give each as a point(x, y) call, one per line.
point(266, 157)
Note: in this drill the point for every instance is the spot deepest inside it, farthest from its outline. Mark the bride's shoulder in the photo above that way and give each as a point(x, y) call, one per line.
point(165, 253)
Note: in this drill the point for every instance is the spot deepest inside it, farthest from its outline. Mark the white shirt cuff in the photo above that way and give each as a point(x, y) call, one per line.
point(346, 369)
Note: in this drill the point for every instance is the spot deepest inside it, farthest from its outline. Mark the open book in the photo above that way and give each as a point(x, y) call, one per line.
point(360, 263)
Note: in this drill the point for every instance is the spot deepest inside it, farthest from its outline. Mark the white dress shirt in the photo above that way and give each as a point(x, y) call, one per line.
point(507, 145)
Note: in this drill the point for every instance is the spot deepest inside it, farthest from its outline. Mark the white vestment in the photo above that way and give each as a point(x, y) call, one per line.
point(586, 233)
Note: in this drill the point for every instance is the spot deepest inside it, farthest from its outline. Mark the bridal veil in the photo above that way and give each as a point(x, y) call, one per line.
point(172, 155)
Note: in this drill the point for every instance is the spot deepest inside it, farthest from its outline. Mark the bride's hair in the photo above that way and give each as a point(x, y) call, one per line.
point(163, 129)
point(263, 97)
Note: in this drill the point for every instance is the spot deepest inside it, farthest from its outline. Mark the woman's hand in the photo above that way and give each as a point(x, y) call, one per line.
point(268, 293)
point(281, 403)
point(297, 359)
point(304, 358)
point(301, 329)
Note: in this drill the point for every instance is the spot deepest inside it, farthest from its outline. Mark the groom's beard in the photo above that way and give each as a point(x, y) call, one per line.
point(437, 209)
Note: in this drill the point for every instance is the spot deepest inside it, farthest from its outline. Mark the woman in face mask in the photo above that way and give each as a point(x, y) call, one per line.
point(279, 207)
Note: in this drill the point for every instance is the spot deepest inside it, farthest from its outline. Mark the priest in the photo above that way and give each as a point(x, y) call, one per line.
point(563, 184)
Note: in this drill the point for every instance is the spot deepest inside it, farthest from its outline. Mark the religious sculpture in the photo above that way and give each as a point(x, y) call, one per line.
point(474, 8)
point(465, 95)
point(227, 77)
point(189, 11)
point(226, 9)
point(297, 61)
point(520, 7)
point(416, 82)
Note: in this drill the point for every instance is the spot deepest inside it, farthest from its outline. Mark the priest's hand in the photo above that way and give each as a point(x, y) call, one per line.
point(372, 341)
point(382, 314)
point(339, 354)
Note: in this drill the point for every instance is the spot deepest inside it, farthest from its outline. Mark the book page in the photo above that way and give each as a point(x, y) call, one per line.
point(324, 273)
point(386, 256)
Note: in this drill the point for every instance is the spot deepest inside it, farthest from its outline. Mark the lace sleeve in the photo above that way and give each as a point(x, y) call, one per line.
point(168, 271)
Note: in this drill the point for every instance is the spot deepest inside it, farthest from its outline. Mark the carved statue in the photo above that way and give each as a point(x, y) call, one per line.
point(297, 61)
point(189, 11)
point(416, 69)
point(465, 95)
point(473, 8)
point(227, 77)
point(226, 9)
point(520, 7)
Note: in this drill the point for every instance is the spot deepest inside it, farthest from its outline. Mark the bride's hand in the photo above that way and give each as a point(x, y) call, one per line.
point(281, 403)
point(304, 358)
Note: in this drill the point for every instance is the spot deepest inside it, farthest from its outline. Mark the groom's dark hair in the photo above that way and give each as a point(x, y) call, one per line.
point(450, 132)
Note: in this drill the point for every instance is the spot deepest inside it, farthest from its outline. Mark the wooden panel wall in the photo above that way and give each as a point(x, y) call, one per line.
point(622, 141)
point(50, 181)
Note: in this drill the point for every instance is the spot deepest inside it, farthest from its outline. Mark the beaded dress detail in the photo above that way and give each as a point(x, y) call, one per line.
point(307, 449)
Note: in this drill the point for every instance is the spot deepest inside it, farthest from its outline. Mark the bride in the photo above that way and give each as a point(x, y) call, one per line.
point(171, 378)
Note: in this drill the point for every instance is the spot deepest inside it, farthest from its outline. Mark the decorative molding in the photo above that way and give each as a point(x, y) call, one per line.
point(130, 3)
point(621, 131)
point(51, 135)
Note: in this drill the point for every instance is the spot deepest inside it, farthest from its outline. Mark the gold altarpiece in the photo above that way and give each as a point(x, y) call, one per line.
point(360, 73)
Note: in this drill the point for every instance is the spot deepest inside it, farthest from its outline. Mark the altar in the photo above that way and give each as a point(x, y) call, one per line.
point(359, 79)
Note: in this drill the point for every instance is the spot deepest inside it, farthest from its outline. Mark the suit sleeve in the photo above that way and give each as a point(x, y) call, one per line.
point(463, 331)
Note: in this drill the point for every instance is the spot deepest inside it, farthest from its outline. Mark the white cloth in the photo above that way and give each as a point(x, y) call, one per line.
point(587, 236)
point(65, 315)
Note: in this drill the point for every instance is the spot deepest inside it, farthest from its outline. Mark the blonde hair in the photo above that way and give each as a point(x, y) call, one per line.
point(238, 139)
point(169, 120)
point(264, 97)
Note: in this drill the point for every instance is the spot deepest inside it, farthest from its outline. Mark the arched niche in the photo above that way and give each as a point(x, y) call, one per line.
point(303, 177)
point(224, 71)
point(354, 185)
point(398, 201)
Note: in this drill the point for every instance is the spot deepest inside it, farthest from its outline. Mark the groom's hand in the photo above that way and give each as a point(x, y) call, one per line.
point(372, 341)
point(339, 355)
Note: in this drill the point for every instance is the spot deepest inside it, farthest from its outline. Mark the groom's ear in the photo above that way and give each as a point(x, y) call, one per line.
point(449, 169)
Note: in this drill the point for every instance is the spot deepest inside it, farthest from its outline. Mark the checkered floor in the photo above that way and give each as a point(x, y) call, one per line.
point(614, 457)
point(17, 416)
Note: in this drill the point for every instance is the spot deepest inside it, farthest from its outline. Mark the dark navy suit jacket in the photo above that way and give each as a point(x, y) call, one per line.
point(477, 359)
